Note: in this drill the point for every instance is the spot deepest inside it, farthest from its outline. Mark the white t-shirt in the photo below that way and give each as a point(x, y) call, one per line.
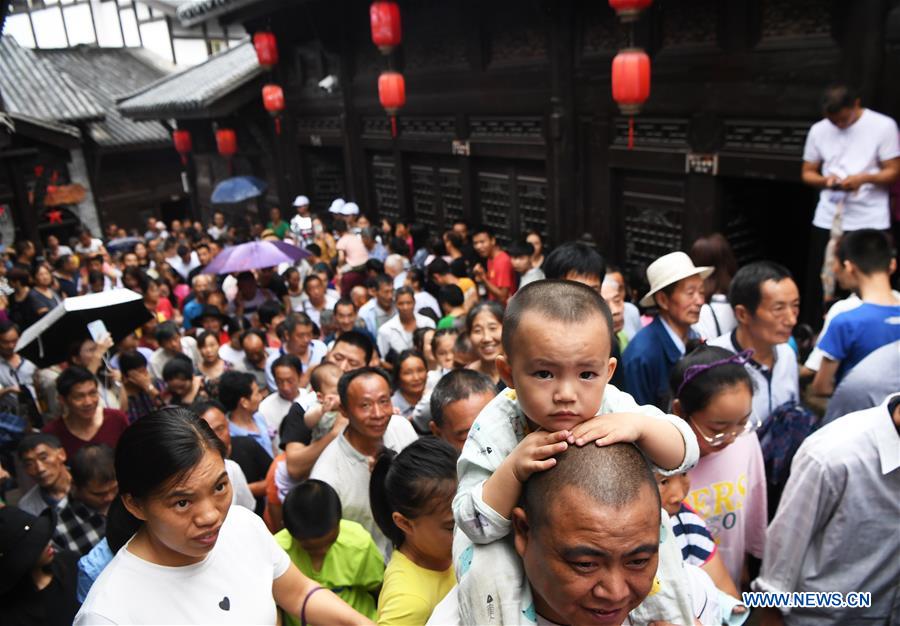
point(240, 490)
point(317, 351)
point(90, 249)
point(425, 300)
point(716, 318)
point(231, 354)
point(347, 470)
point(860, 148)
point(232, 585)
point(274, 408)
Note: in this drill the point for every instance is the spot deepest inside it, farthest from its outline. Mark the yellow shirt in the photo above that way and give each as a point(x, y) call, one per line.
point(410, 592)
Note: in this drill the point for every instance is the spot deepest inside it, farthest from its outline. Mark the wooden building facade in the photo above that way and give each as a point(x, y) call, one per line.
point(509, 118)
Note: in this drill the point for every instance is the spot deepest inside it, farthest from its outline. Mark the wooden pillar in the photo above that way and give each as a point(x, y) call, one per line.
point(565, 220)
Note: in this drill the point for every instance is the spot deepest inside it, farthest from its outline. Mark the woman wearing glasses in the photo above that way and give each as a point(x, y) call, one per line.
point(713, 392)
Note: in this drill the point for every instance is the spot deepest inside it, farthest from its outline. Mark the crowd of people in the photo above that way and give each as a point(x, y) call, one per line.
point(407, 427)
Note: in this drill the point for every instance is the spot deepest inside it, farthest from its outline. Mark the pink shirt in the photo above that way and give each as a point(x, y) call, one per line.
point(728, 490)
point(354, 249)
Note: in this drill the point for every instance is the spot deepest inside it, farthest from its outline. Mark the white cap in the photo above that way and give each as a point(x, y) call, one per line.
point(337, 205)
point(668, 270)
point(301, 201)
point(160, 225)
point(350, 208)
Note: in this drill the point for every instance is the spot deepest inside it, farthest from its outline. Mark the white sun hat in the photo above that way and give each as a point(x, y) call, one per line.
point(301, 201)
point(668, 270)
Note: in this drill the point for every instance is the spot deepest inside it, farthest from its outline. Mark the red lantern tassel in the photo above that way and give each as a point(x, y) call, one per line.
point(394, 126)
point(630, 133)
point(278, 125)
point(184, 160)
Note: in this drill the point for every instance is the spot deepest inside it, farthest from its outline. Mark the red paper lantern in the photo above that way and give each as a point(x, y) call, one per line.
point(266, 48)
point(183, 144)
point(631, 84)
point(629, 10)
point(226, 142)
point(273, 101)
point(631, 80)
point(392, 95)
point(385, 21)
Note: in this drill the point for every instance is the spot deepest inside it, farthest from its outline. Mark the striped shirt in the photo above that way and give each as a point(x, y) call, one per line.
point(692, 536)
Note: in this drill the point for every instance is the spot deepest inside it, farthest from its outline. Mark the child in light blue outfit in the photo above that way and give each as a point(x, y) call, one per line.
point(557, 337)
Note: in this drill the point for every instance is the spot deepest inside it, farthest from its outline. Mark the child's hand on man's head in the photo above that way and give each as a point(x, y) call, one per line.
point(608, 429)
point(534, 453)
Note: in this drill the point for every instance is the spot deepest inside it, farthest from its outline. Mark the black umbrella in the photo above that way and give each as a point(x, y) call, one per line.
point(47, 341)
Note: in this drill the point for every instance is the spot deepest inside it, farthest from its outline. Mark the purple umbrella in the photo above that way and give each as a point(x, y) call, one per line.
point(254, 255)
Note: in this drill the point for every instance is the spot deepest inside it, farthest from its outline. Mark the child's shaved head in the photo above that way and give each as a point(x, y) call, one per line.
point(323, 375)
point(559, 301)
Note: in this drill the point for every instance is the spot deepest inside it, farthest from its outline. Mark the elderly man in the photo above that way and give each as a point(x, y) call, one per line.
point(836, 525)
point(588, 535)
point(676, 288)
point(81, 518)
point(297, 340)
point(44, 460)
point(256, 358)
point(374, 247)
point(456, 401)
point(345, 464)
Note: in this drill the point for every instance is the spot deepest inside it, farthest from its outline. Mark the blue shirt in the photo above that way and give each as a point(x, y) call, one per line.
point(91, 565)
point(647, 361)
point(263, 438)
point(855, 334)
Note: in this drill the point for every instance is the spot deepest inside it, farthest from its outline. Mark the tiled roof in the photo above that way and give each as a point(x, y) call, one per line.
point(199, 11)
point(194, 91)
point(32, 86)
point(18, 122)
point(108, 73)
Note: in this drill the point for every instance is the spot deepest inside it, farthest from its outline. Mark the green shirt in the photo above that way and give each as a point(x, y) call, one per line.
point(280, 230)
point(447, 321)
point(353, 567)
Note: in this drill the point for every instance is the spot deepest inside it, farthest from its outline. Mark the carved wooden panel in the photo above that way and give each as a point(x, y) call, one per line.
point(450, 182)
point(326, 173)
point(532, 201)
point(517, 34)
point(319, 125)
point(766, 136)
point(689, 22)
point(427, 126)
point(672, 133)
point(379, 126)
point(495, 195)
point(795, 18)
point(527, 129)
point(424, 189)
point(384, 182)
point(602, 34)
point(743, 238)
point(433, 36)
point(653, 217)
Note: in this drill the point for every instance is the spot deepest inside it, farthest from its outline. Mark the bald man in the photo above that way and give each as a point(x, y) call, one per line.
point(588, 536)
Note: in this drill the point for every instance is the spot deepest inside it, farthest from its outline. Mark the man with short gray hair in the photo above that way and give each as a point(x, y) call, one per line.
point(456, 401)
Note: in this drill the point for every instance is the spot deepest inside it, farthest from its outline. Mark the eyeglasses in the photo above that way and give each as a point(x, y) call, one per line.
point(751, 425)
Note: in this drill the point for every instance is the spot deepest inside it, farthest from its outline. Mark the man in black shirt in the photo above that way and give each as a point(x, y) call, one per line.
point(37, 583)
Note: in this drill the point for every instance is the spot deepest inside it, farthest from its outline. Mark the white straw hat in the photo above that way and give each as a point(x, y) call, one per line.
point(668, 270)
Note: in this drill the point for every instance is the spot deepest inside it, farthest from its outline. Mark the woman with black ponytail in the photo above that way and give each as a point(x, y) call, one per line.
point(411, 495)
point(194, 559)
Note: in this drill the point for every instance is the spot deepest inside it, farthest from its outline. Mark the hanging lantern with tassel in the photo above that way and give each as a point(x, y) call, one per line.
point(266, 48)
point(226, 142)
point(392, 95)
point(631, 84)
point(629, 10)
point(273, 101)
point(385, 21)
point(183, 144)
